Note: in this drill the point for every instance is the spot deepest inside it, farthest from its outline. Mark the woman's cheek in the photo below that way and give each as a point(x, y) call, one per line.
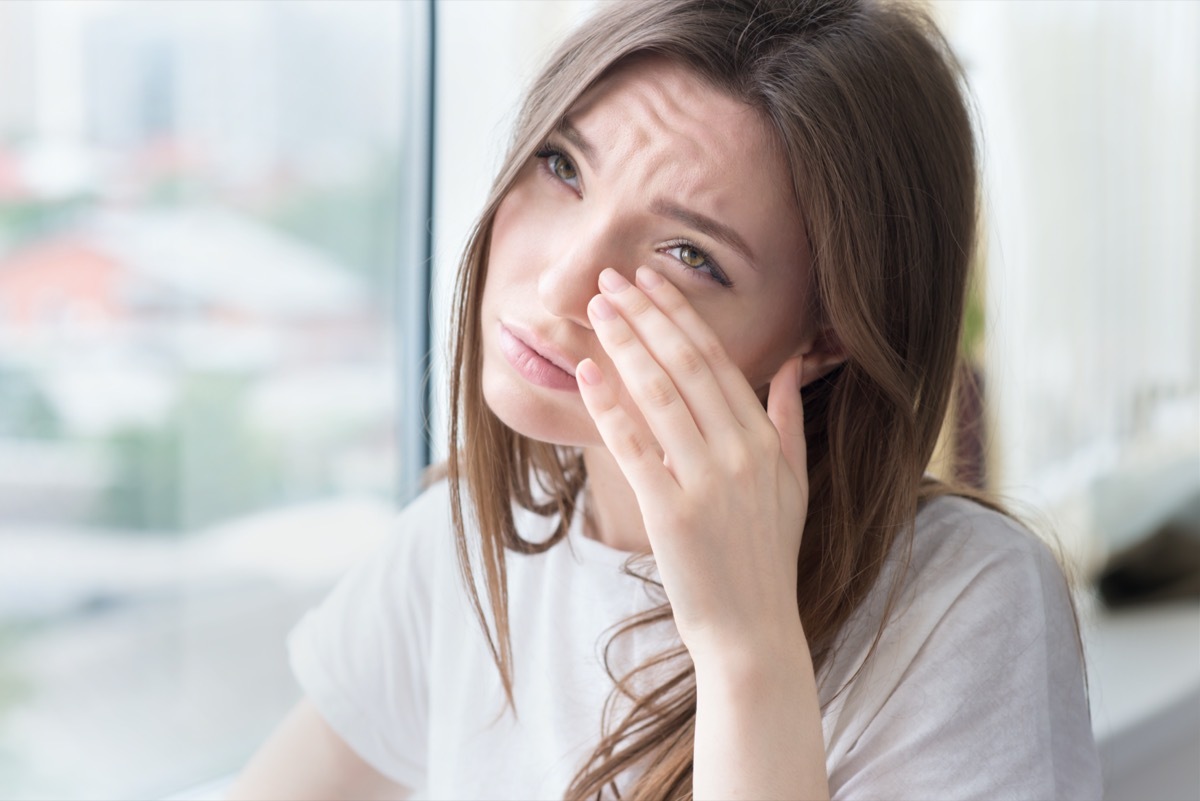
point(516, 231)
point(502, 228)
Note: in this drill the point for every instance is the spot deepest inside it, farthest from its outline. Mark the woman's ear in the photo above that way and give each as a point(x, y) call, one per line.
point(822, 355)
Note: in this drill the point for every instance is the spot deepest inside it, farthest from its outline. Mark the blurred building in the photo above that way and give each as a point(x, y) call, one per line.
point(248, 87)
point(108, 325)
point(192, 288)
point(18, 70)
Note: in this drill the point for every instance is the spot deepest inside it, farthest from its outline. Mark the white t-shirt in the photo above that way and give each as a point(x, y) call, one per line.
point(975, 690)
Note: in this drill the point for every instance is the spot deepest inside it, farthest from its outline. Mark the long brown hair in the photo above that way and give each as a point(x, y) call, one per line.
point(865, 100)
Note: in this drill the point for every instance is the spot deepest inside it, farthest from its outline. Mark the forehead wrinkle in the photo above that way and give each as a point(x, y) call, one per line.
point(660, 150)
point(642, 112)
point(663, 110)
point(673, 141)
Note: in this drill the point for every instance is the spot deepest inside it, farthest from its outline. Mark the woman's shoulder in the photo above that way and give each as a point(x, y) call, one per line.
point(968, 570)
point(980, 639)
point(958, 534)
point(420, 534)
point(432, 503)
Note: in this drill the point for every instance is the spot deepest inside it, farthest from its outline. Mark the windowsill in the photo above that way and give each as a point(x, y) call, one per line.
point(1144, 674)
point(209, 791)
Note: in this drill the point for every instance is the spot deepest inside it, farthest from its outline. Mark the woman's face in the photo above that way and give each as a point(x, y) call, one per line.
point(652, 168)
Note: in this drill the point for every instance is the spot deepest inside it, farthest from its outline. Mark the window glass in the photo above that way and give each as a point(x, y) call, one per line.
point(203, 215)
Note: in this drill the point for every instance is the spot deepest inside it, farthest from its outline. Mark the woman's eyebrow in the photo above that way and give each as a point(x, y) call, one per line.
point(572, 135)
point(705, 225)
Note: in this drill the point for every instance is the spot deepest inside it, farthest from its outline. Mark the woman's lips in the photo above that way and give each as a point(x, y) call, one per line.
point(533, 367)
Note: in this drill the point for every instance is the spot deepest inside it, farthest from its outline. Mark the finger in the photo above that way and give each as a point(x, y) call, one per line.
point(739, 395)
point(678, 356)
point(648, 385)
point(785, 407)
point(630, 442)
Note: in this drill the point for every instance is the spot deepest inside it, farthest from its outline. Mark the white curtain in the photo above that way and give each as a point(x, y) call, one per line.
point(1089, 113)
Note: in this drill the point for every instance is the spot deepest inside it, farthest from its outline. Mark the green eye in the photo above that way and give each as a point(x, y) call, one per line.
point(696, 262)
point(563, 169)
point(691, 257)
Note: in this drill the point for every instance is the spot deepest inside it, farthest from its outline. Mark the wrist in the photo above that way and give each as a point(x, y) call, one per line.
point(753, 660)
point(758, 722)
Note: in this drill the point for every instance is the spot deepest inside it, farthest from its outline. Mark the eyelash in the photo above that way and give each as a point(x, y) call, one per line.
point(548, 150)
point(715, 274)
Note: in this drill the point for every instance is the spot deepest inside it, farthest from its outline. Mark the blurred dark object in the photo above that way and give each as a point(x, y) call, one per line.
point(1165, 566)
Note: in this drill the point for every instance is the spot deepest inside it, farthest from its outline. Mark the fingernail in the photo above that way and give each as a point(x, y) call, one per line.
point(602, 309)
point(613, 281)
point(590, 373)
point(648, 278)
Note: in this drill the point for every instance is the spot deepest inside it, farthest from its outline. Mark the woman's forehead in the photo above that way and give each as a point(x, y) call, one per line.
point(654, 104)
point(658, 124)
point(663, 88)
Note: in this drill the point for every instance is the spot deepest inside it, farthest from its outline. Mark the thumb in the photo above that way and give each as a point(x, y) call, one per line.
point(785, 408)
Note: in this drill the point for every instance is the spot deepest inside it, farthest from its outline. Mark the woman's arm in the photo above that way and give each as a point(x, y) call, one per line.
point(724, 503)
point(305, 759)
point(758, 724)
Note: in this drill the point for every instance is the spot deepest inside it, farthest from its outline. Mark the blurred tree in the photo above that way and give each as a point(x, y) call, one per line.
point(15, 689)
point(25, 410)
point(353, 222)
point(973, 318)
point(204, 464)
point(22, 222)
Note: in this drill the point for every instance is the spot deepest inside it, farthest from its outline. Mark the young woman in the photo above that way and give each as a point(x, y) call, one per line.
point(707, 328)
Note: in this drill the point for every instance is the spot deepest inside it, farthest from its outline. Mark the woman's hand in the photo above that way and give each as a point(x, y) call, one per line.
point(722, 485)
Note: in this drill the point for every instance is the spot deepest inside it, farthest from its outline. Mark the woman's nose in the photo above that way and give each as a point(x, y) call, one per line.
point(570, 278)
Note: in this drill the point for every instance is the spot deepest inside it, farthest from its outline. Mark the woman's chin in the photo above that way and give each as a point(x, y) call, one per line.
point(544, 415)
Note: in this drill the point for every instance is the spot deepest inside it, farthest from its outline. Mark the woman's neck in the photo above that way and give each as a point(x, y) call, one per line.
point(615, 515)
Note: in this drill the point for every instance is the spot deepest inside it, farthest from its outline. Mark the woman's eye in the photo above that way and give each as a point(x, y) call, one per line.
point(698, 262)
point(558, 166)
point(562, 168)
point(690, 256)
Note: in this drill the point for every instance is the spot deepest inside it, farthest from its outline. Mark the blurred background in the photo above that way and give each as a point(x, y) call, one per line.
point(222, 342)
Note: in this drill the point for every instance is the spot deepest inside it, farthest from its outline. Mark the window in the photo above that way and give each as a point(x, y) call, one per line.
point(213, 328)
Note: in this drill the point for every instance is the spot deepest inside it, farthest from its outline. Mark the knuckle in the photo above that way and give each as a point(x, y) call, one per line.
point(740, 462)
point(634, 445)
point(621, 336)
point(688, 360)
point(713, 351)
point(659, 391)
point(637, 304)
point(606, 405)
point(767, 439)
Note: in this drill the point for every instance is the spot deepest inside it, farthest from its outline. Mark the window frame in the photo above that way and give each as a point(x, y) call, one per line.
point(413, 287)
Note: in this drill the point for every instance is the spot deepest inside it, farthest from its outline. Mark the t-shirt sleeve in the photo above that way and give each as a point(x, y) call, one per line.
point(360, 656)
point(976, 690)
